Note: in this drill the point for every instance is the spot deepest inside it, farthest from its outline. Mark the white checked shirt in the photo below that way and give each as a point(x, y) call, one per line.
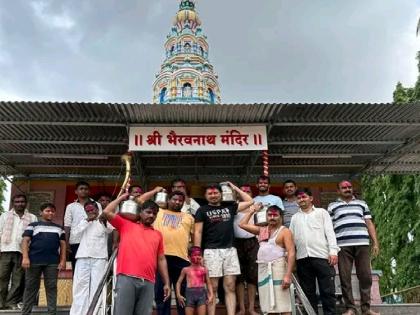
point(75, 213)
point(313, 233)
point(15, 244)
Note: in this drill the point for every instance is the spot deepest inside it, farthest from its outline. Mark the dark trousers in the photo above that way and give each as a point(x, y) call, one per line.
point(32, 282)
point(360, 255)
point(11, 271)
point(309, 271)
point(175, 265)
point(73, 248)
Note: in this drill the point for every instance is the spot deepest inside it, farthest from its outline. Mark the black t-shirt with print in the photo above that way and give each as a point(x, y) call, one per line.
point(217, 225)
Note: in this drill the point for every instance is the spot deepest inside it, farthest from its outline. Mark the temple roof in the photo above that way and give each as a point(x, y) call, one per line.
point(44, 139)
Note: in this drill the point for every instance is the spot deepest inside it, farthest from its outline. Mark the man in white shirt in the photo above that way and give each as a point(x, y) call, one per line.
point(12, 226)
point(316, 251)
point(92, 256)
point(190, 205)
point(264, 196)
point(74, 214)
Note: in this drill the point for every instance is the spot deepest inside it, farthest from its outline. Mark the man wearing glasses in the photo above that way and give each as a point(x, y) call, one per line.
point(190, 205)
point(354, 228)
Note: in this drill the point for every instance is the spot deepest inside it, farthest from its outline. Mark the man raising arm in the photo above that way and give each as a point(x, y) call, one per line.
point(141, 241)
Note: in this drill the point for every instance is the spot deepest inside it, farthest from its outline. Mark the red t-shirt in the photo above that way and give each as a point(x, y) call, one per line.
point(138, 250)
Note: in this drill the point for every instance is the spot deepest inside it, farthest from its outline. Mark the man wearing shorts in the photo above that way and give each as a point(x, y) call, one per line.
point(213, 231)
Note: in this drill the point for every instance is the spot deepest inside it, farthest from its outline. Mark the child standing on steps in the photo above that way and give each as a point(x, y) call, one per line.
point(43, 253)
point(196, 295)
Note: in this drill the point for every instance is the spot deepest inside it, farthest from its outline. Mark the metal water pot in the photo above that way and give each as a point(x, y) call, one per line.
point(161, 198)
point(260, 217)
point(227, 192)
point(129, 210)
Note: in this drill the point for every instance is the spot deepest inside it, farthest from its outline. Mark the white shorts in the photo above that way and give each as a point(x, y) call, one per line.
point(222, 262)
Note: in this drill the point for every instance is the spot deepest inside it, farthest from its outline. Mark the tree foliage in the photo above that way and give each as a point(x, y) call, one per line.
point(395, 203)
point(408, 94)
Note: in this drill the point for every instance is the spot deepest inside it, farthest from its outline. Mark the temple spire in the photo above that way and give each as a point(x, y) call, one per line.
point(186, 75)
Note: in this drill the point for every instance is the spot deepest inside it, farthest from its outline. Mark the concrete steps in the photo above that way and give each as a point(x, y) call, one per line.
point(384, 309)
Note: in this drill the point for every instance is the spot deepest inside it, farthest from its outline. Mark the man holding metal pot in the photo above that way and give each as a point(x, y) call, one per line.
point(177, 228)
point(214, 233)
point(140, 254)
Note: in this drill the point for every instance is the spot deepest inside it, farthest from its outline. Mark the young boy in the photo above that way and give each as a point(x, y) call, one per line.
point(43, 253)
point(197, 277)
point(91, 256)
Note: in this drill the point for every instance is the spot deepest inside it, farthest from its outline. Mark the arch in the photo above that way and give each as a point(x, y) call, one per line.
point(187, 47)
point(162, 95)
point(212, 96)
point(187, 90)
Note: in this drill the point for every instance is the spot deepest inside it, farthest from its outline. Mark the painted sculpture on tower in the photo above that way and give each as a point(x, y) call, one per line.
point(186, 75)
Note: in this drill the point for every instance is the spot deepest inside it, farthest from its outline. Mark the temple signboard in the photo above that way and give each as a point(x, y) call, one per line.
point(217, 138)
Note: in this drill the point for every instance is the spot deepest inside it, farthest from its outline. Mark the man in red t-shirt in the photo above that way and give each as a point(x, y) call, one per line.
point(140, 253)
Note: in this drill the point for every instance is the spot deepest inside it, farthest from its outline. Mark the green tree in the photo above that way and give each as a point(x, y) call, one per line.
point(395, 203)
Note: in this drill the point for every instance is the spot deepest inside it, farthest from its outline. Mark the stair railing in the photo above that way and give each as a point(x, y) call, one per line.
point(98, 306)
point(303, 299)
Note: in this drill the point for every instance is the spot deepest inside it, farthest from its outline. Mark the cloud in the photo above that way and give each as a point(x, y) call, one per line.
point(60, 21)
point(270, 51)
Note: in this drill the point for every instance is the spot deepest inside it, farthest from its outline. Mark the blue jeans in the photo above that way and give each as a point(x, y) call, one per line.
point(175, 265)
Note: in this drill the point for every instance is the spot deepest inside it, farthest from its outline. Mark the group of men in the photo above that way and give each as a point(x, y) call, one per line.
point(153, 248)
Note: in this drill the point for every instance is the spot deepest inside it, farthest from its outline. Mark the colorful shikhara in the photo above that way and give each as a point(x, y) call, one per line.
point(186, 75)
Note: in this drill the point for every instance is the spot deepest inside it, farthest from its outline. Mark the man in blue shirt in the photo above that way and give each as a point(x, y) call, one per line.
point(264, 196)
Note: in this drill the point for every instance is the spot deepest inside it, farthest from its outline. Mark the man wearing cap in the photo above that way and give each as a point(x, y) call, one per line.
point(354, 228)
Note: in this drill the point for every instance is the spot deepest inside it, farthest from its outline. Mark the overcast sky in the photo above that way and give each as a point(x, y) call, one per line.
point(263, 51)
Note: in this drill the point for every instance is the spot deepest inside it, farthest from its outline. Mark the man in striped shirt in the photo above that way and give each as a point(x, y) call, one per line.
point(354, 228)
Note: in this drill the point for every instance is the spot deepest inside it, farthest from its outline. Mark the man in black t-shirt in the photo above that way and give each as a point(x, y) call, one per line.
point(213, 231)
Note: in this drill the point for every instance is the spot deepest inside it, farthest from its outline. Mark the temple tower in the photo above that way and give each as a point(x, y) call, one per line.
point(186, 75)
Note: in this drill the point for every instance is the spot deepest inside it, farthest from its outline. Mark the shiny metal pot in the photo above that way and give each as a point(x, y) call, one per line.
point(129, 209)
point(227, 192)
point(260, 217)
point(161, 198)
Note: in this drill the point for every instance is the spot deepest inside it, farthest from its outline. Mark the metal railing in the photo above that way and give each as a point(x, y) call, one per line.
point(99, 304)
point(304, 305)
point(408, 295)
